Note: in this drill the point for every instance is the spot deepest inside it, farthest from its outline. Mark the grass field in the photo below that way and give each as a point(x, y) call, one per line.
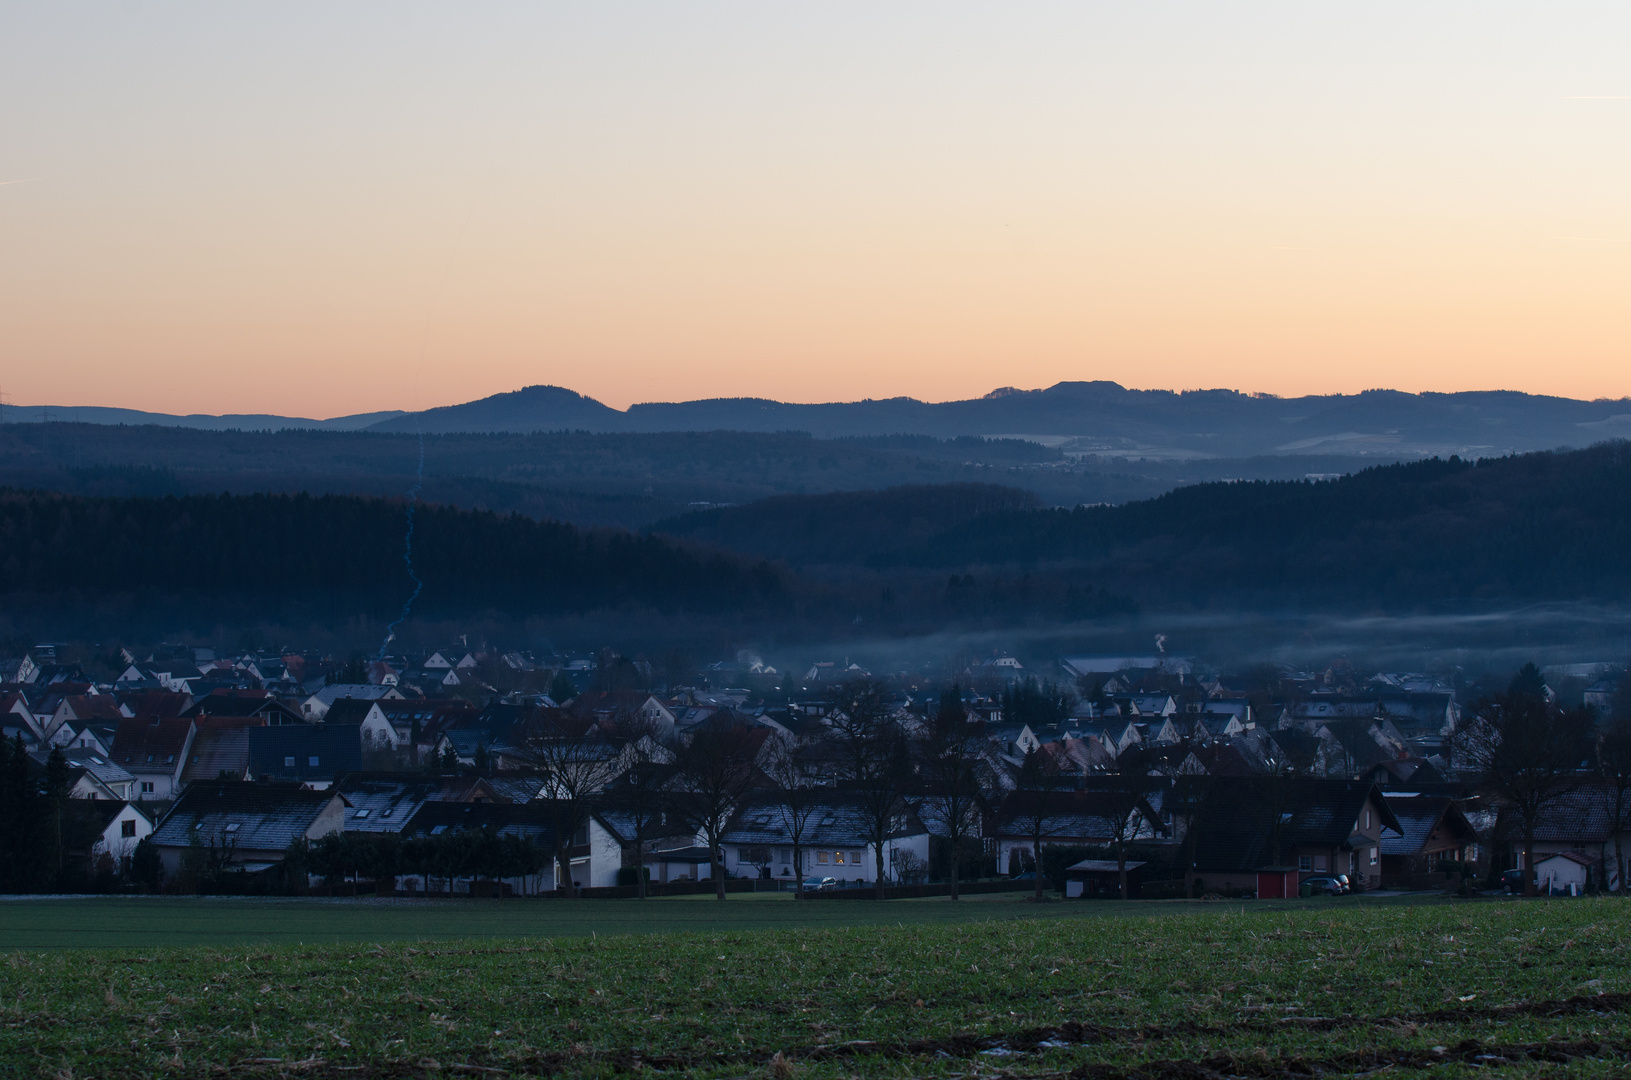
point(927, 989)
point(109, 922)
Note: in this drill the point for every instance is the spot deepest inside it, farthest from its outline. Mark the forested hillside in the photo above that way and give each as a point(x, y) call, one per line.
point(1535, 526)
point(343, 556)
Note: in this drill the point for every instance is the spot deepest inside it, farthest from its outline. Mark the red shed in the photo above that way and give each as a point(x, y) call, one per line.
point(1277, 882)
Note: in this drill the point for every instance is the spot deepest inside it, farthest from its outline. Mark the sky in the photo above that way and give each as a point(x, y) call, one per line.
point(319, 209)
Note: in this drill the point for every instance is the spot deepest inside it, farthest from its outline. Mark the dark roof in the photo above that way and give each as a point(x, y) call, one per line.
point(1235, 828)
point(147, 744)
point(253, 816)
point(1418, 816)
point(218, 751)
point(1084, 815)
point(351, 711)
point(304, 751)
point(531, 820)
point(1580, 816)
point(151, 703)
point(244, 705)
point(833, 822)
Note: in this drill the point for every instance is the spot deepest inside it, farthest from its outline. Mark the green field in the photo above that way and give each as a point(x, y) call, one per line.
point(907, 988)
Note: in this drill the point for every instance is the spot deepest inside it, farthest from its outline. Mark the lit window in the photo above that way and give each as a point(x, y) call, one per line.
point(838, 857)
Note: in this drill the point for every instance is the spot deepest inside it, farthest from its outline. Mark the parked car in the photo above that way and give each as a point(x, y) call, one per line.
point(1512, 881)
point(820, 884)
point(1323, 886)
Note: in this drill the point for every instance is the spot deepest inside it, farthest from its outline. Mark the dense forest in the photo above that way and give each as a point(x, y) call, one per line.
point(1534, 526)
point(626, 480)
point(344, 555)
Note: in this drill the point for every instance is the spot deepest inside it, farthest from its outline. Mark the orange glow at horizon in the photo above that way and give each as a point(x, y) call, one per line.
point(314, 211)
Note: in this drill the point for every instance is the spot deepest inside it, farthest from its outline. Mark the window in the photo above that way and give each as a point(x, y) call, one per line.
point(1305, 862)
point(288, 762)
point(1367, 819)
point(231, 827)
point(147, 787)
point(360, 814)
point(311, 762)
point(1373, 856)
point(1319, 862)
point(127, 829)
point(821, 857)
point(855, 858)
point(838, 857)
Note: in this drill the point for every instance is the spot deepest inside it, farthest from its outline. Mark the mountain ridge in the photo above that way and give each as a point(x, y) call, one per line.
point(1082, 419)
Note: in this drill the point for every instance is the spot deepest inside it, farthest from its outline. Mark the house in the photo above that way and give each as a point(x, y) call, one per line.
point(1091, 818)
point(316, 707)
point(312, 754)
point(1582, 820)
point(534, 822)
point(374, 731)
point(245, 704)
point(1319, 826)
point(154, 752)
point(380, 802)
point(757, 842)
point(111, 829)
point(220, 750)
point(250, 825)
point(1432, 829)
point(98, 778)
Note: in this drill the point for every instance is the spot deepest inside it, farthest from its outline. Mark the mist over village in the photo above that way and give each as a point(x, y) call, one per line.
point(811, 543)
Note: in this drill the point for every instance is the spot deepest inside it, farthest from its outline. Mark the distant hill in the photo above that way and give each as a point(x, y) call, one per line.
point(1543, 526)
point(1078, 418)
point(846, 527)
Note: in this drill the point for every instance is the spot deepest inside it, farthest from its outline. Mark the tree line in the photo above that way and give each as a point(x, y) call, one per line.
point(345, 554)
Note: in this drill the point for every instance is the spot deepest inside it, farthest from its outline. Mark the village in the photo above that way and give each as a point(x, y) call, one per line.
point(472, 772)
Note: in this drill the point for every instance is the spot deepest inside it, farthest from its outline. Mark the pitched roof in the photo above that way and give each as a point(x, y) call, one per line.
point(304, 751)
point(1236, 827)
point(1418, 815)
point(531, 820)
point(253, 816)
point(144, 744)
point(220, 750)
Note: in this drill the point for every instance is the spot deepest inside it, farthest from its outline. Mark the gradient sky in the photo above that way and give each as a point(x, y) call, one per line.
point(320, 209)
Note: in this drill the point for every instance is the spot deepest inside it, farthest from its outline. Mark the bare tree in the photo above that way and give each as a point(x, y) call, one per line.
point(577, 762)
point(874, 761)
point(714, 771)
point(949, 757)
point(1034, 807)
point(1128, 798)
point(793, 767)
point(1614, 766)
point(1527, 753)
